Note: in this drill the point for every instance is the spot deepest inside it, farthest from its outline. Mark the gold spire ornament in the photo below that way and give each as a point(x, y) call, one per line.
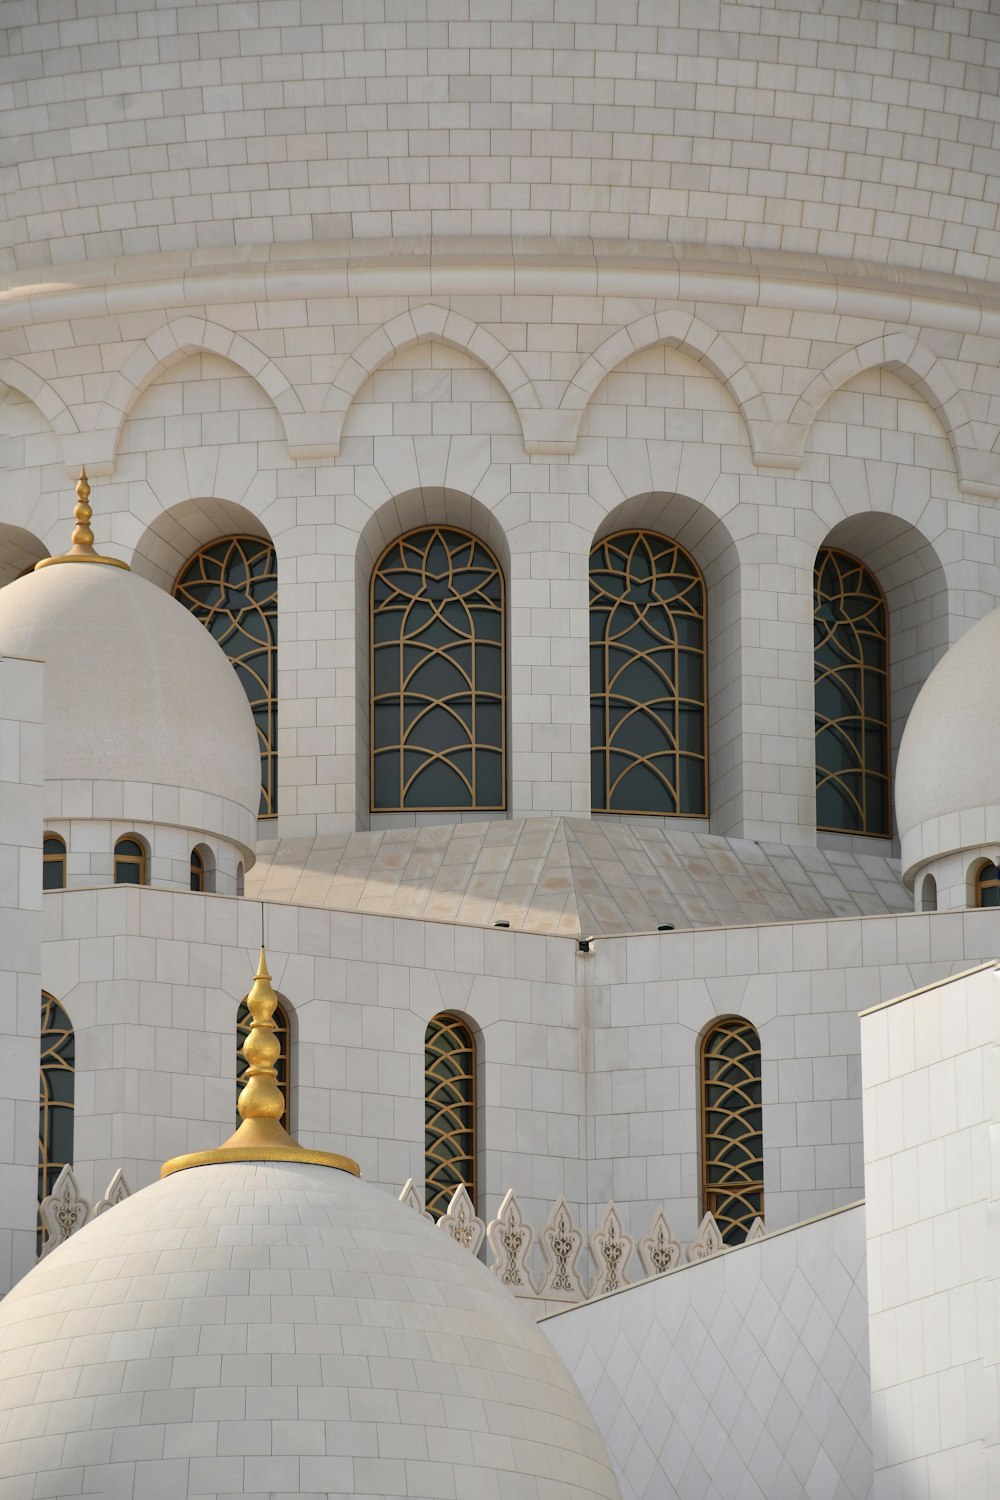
point(82, 540)
point(260, 1135)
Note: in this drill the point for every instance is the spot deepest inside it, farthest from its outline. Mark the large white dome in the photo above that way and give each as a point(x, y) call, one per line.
point(271, 1328)
point(137, 694)
point(947, 789)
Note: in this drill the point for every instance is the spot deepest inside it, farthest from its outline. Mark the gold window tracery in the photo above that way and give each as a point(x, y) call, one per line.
point(851, 654)
point(438, 695)
point(56, 1095)
point(231, 586)
point(732, 1128)
point(647, 677)
point(449, 1112)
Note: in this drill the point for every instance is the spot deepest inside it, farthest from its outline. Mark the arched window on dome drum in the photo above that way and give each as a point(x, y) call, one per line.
point(851, 656)
point(438, 667)
point(647, 677)
point(988, 885)
point(283, 1063)
point(57, 1082)
point(449, 1112)
point(231, 586)
point(731, 1119)
point(197, 871)
point(53, 863)
point(130, 862)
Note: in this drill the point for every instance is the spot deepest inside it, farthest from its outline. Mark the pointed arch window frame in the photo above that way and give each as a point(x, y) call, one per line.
point(736, 1184)
point(482, 698)
point(862, 767)
point(266, 703)
point(452, 1115)
point(603, 748)
point(57, 1058)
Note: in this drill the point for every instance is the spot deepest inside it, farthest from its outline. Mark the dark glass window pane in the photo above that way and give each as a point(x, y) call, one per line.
point(57, 1078)
point(437, 608)
point(850, 632)
point(646, 599)
point(231, 586)
point(732, 1125)
point(449, 1112)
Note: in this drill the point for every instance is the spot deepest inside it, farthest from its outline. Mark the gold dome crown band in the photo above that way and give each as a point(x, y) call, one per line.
point(82, 540)
point(261, 1135)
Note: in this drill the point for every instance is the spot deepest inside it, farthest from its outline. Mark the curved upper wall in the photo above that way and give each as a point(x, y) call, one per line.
point(770, 126)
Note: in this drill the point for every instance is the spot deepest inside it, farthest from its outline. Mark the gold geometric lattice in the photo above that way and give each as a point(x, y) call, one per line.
point(231, 586)
point(647, 677)
point(449, 1112)
point(851, 654)
point(57, 1086)
point(438, 712)
point(282, 1064)
point(733, 1143)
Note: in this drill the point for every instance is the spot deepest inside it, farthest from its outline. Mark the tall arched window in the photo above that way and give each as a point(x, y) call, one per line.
point(231, 586)
point(449, 1112)
point(130, 862)
point(647, 677)
point(851, 655)
point(731, 1120)
point(56, 1091)
point(283, 1063)
point(988, 885)
point(197, 870)
point(53, 863)
point(438, 675)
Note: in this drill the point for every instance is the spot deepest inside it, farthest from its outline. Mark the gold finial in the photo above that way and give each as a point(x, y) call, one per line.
point(82, 540)
point(261, 1135)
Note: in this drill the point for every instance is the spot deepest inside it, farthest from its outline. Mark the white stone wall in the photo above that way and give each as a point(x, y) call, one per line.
point(930, 1077)
point(744, 1375)
point(330, 422)
point(587, 1062)
point(851, 133)
point(20, 959)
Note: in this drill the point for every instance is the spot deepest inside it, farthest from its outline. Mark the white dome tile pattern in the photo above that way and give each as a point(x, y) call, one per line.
point(274, 1329)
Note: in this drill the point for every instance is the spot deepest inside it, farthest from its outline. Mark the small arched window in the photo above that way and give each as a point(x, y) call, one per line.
point(53, 863)
point(130, 862)
point(231, 586)
point(732, 1127)
point(647, 677)
point(240, 879)
point(283, 1063)
point(56, 1093)
point(851, 664)
point(449, 1112)
point(988, 885)
point(928, 893)
point(438, 675)
point(197, 871)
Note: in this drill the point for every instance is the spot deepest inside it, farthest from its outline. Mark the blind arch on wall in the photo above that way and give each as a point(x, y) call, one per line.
point(732, 1143)
point(648, 685)
point(231, 586)
point(449, 1111)
point(851, 669)
point(438, 675)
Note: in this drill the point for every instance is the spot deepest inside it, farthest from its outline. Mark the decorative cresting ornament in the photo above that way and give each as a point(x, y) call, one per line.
point(82, 540)
point(261, 1135)
point(64, 1211)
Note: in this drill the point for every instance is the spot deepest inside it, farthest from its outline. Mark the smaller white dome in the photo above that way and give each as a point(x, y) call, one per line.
point(137, 695)
point(295, 1330)
point(947, 788)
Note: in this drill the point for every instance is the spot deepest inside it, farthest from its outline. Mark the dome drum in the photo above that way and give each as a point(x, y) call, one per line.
point(90, 844)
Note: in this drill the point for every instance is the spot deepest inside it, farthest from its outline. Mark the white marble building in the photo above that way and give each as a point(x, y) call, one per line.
point(295, 279)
